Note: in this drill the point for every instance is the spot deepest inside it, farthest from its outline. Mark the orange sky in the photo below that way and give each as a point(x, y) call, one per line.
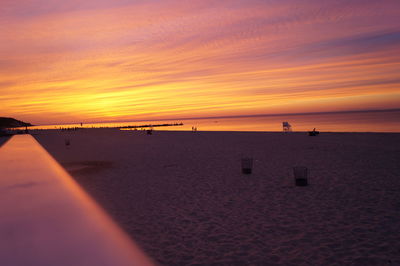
point(115, 60)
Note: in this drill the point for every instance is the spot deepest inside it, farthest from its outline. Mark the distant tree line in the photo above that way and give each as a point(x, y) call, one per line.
point(7, 122)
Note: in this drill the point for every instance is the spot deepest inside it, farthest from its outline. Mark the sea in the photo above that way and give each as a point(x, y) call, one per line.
point(352, 121)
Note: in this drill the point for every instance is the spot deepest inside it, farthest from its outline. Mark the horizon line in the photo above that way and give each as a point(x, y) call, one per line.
point(233, 116)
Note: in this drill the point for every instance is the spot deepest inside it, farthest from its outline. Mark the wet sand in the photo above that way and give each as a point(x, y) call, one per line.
point(183, 198)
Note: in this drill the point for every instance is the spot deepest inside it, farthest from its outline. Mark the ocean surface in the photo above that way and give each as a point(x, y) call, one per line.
point(362, 121)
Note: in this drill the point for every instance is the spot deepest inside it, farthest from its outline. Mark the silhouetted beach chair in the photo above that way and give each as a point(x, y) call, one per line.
point(286, 127)
point(313, 132)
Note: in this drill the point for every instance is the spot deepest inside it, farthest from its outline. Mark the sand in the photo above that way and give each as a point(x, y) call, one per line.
point(183, 199)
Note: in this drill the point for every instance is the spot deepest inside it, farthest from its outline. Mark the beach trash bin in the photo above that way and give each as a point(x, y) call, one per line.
point(247, 165)
point(300, 175)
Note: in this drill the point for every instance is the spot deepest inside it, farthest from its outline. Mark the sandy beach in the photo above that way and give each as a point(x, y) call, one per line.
point(183, 198)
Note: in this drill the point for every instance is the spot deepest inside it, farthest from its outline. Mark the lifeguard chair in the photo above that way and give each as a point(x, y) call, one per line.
point(286, 127)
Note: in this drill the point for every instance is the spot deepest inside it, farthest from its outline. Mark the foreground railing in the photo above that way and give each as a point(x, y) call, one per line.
point(47, 219)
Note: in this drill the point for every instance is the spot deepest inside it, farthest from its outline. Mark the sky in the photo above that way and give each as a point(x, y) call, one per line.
point(120, 60)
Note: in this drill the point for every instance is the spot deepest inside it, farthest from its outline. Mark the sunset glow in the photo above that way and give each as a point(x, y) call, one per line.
point(121, 60)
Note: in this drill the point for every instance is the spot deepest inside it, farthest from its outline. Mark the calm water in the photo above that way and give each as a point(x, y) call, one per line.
point(382, 121)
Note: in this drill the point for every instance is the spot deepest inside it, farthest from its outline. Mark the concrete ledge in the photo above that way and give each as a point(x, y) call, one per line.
point(47, 219)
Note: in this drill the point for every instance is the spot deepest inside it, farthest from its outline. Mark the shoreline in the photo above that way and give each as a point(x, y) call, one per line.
point(217, 131)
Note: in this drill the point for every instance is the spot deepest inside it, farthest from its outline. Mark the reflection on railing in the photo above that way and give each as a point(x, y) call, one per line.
point(47, 219)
